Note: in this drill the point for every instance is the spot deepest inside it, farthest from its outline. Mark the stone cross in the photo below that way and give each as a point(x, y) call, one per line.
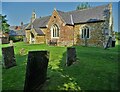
point(36, 70)
point(8, 57)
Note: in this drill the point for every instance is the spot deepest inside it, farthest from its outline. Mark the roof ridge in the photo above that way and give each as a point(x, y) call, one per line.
point(87, 8)
point(60, 11)
point(43, 17)
point(46, 16)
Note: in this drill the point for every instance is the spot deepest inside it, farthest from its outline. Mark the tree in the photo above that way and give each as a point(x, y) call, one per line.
point(83, 6)
point(4, 26)
point(117, 35)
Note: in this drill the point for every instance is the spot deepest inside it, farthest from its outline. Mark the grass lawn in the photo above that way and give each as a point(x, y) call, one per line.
point(95, 69)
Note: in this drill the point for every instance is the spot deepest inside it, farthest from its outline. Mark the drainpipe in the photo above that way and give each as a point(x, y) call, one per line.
point(73, 26)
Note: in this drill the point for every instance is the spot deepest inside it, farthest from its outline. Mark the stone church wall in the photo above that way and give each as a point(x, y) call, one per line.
point(96, 34)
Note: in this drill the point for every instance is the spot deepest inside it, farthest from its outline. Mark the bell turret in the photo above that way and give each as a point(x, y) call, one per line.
point(33, 16)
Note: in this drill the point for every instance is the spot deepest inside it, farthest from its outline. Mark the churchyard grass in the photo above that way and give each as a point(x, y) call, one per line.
point(95, 68)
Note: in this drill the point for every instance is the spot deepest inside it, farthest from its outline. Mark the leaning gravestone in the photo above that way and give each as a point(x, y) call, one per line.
point(71, 56)
point(36, 70)
point(109, 43)
point(8, 57)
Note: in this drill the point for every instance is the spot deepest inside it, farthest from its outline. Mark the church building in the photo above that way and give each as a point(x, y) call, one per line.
point(87, 27)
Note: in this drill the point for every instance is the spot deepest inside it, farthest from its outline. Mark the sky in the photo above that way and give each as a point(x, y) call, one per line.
point(18, 12)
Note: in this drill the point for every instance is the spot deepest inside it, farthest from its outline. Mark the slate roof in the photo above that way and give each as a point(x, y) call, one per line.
point(14, 32)
point(39, 31)
point(39, 22)
point(25, 25)
point(85, 15)
point(65, 16)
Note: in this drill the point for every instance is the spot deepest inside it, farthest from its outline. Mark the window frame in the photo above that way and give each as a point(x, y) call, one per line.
point(55, 31)
point(82, 32)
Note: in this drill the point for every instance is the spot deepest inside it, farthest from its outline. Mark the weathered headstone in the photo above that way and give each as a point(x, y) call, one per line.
point(11, 42)
point(71, 56)
point(36, 70)
point(8, 57)
point(109, 43)
point(113, 41)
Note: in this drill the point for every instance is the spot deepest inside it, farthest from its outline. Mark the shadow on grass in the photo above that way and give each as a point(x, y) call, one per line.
point(13, 78)
point(58, 79)
point(97, 70)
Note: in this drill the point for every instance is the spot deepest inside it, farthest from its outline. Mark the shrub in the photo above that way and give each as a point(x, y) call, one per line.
point(16, 38)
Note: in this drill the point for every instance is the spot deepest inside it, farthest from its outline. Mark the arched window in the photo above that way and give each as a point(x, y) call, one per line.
point(54, 31)
point(85, 32)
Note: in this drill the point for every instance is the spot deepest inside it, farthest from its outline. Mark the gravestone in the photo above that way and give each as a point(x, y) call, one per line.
point(22, 51)
point(36, 70)
point(109, 43)
point(71, 56)
point(113, 41)
point(11, 42)
point(8, 57)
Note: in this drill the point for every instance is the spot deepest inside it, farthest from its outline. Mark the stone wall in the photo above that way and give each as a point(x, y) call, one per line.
point(96, 35)
point(44, 30)
point(27, 36)
point(66, 32)
point(54, 19)
point(70, 35)
point(39, 39)
point(66, 36)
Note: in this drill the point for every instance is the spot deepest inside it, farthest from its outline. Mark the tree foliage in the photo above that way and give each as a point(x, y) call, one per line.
point(4, 26)
point(117, 35)
point(83, 6)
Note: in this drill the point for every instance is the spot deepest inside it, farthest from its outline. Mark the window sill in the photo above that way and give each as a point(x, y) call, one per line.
point(55, 37)
point(84, 38)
